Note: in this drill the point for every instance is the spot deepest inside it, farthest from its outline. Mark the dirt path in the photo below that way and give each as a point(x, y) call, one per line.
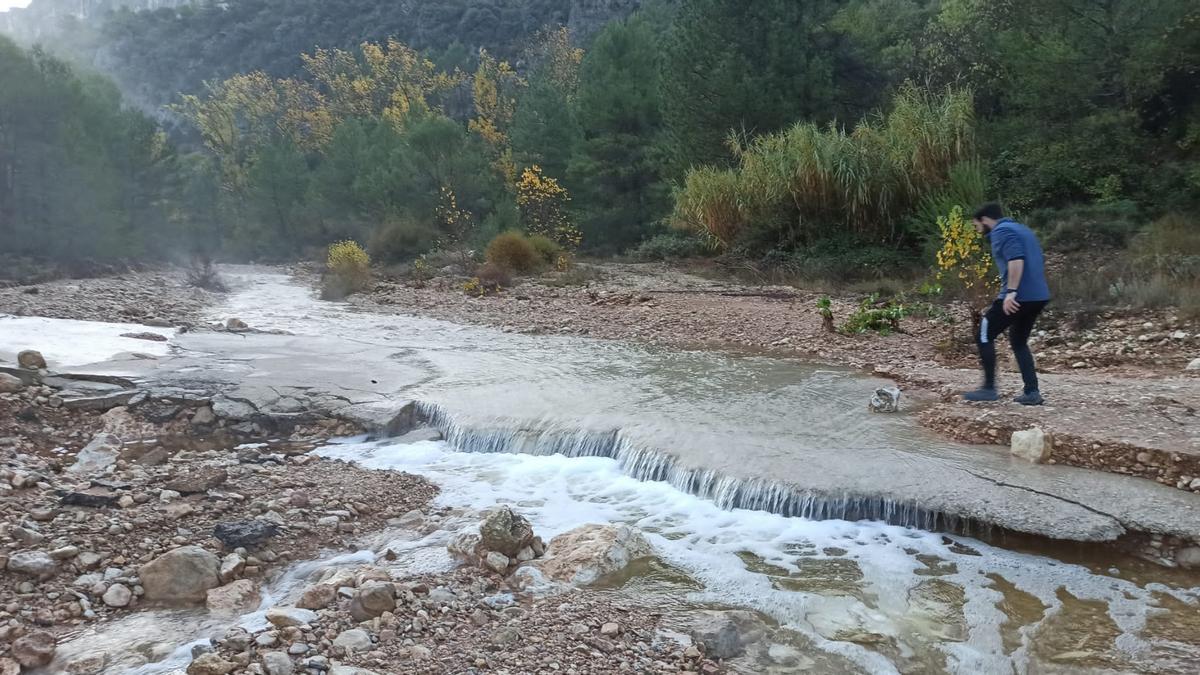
point(1119, 397)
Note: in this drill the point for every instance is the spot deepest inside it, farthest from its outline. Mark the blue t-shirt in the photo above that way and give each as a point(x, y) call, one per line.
point(1013, 241)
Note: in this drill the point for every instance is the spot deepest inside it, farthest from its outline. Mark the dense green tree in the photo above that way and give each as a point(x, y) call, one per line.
point(622, 193)
point(545, 131)
point(752, 68)
point(80, 176)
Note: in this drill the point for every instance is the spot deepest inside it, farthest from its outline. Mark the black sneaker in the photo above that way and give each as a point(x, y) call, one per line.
point(982, 394)
point(1030, 398)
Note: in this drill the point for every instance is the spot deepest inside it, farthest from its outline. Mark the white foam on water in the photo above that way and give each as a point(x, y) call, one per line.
point(558, 493)
point(67, 343)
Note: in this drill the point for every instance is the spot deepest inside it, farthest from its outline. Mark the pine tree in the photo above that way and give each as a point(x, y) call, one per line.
point(618, 168)
point(749, 68)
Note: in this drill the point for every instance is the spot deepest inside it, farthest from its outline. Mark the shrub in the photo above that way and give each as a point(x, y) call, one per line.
point(825, 309)
point(1079, 228)
point(202, 274)
point(1170, 246)
point(841, 260)
point(544, 208)
point(513, 252)
point(493, 276)
point(348, 270)
point(804, 182)
point(401, 240)
point(669, 246)
point(963, 264)
point(419, 273)
point(489, 280)
point(872, 315)
point(546, 249)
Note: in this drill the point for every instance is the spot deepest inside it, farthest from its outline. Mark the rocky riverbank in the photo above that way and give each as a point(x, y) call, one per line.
point(154, 298)
point(129, 504)
point(1122, 392)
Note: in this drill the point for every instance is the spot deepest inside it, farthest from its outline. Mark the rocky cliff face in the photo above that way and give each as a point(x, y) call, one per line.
point(42, 17)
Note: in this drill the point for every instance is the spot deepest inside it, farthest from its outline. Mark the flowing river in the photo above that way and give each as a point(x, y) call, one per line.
point(693, 449)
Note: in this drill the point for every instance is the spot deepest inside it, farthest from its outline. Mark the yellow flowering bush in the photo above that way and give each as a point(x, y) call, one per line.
point(543, 205)
point(348, 270)
point(962, 260)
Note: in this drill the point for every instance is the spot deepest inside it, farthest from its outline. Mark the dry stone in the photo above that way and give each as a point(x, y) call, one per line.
point(353, 640)
point(10, 384)
point(587, 553)
point(117, 595)
point(31, 360)
point(34, 649)
point(277, 663)
point(32, 563)
point(1031, 445)
point(317, 596)
point(372, 599)
point(505, 531)
point(282, 617)
point(233, 598)
point(181, 576)
point(98, 456)
point(210, 664)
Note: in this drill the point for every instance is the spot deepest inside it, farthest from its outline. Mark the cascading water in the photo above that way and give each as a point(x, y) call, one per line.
point(725, 491)
point(887, 598)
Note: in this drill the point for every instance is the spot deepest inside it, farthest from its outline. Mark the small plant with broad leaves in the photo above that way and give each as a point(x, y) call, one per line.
point(871, 315)
point(825, 309)
point(419, 273)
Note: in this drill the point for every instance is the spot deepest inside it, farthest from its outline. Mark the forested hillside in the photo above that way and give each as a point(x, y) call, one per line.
point(773, 130)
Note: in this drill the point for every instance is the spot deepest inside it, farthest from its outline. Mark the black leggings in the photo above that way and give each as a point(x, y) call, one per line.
point(1019, 326)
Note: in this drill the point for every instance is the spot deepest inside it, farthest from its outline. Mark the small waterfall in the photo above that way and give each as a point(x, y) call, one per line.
point(728, 492)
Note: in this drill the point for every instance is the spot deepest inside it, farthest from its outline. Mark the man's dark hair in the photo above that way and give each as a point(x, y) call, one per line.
point(989, 210)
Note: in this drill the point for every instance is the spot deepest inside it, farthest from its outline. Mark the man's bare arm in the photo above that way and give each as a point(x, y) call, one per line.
point(1015, 269)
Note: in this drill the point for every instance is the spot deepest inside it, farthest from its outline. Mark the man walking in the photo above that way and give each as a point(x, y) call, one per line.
point(1023, 295)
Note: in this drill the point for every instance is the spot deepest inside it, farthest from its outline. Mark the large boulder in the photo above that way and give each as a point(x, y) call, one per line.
point(1031, 445)
point(726, 634)
point(372, 599)
point(588, 553)
point(505, 532)
point(31, 360)
point(34, 649)
point(37, 564)
point(181, 576)
point(98, 456)
point(10, 384)
point(353, 640)
point(244, 533)
point(237, 597)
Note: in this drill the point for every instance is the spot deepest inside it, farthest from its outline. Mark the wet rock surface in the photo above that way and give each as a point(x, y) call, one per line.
point(1134, 363)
